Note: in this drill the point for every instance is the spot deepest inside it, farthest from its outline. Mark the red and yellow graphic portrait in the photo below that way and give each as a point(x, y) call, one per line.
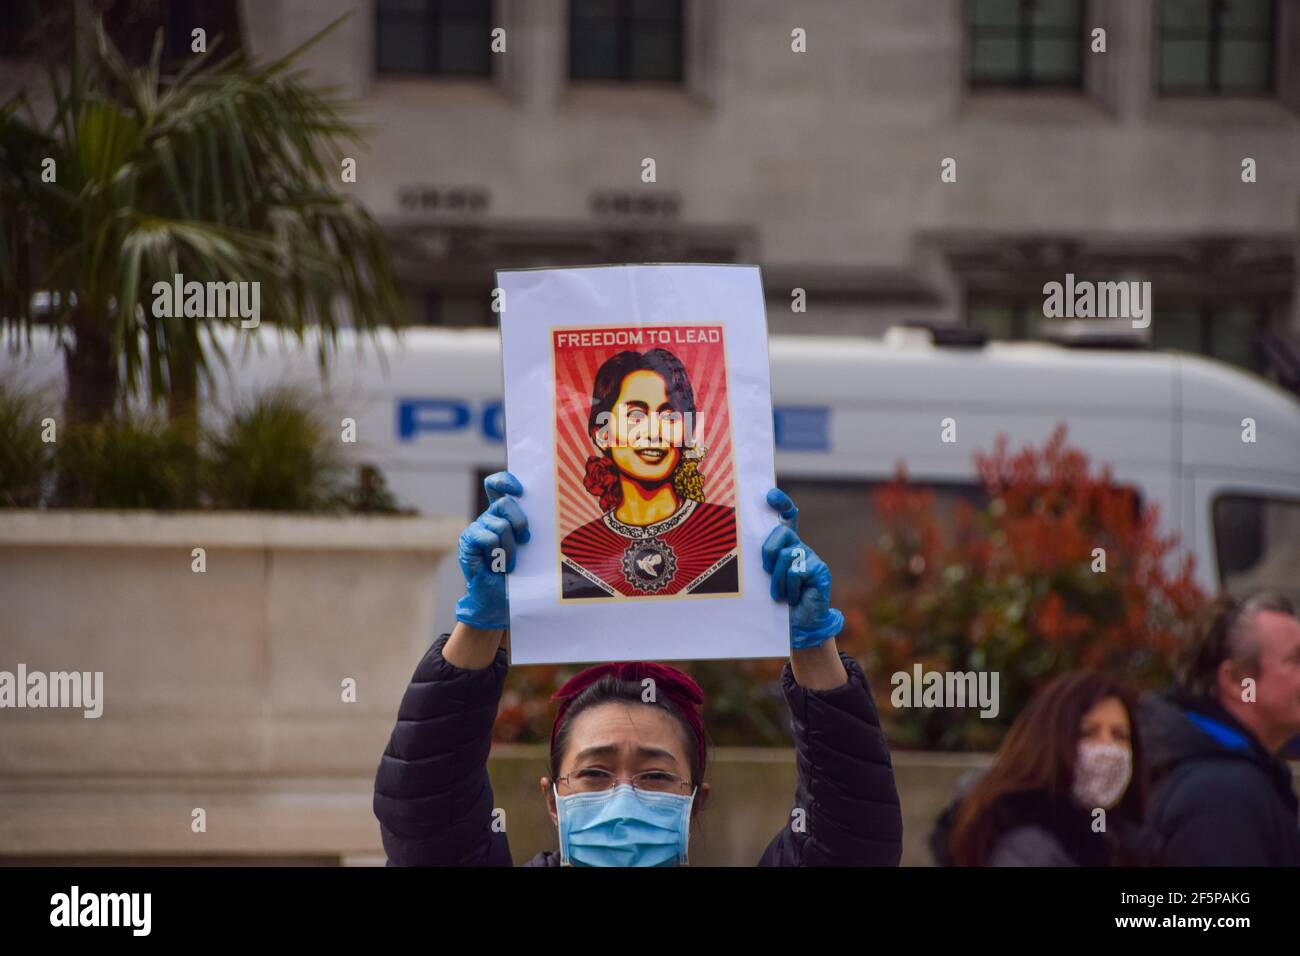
point(645, 474)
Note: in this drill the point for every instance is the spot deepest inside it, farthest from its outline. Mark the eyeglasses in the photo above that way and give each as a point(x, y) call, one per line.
point(594, 780)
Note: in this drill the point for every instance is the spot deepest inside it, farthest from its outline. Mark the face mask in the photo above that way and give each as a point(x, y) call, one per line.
point(623, 827)
point(1101, 774)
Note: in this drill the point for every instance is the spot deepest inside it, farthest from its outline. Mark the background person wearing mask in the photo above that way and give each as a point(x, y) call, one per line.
point(626, 775)
point(1070, 752)
point(1222, 796)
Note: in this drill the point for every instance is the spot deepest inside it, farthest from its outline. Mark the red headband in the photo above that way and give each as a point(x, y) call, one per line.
point(669, 681)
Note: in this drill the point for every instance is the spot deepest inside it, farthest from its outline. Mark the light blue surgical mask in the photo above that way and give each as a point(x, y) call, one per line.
point(623, 827)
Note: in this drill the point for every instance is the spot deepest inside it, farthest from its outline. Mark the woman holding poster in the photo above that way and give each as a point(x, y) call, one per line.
point(626, 776)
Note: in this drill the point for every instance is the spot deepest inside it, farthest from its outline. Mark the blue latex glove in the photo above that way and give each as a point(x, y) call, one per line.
point(807, 591)
point(503, 525)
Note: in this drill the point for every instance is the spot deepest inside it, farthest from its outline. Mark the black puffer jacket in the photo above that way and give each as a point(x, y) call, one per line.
point(1219, 798)
point(434, 801)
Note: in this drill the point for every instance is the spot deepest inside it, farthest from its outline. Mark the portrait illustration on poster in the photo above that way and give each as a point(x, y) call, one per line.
point(645, 478)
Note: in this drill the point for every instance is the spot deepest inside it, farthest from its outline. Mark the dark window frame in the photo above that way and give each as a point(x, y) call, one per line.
point(433, 306)
point(1020, 307)
point(431, 19)
point(1215, 38)
point(1236, 491)
point(1025, 33)
point(18, 37)
point(1023, 307)
point(179, 22)
point(33, 31)
point(625, 23)
point(1205, 325)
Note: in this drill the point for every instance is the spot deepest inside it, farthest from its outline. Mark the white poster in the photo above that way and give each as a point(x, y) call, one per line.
point(639, 421)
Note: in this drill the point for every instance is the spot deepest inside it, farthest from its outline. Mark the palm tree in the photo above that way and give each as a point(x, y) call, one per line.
point(222, 171)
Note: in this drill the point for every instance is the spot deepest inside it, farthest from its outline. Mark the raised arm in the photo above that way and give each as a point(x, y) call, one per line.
point(846, 810)
point(432, 794)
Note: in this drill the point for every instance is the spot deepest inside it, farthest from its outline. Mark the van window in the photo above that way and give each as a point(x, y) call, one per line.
point(838, 520)
point(1257, 542)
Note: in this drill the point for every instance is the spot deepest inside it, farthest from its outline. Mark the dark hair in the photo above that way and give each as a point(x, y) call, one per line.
point(610, 688)
point(1038, 754)
point(609, 380)
point(1220, 637)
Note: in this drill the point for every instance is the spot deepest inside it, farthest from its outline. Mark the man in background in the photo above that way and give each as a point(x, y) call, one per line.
point(1222, 793)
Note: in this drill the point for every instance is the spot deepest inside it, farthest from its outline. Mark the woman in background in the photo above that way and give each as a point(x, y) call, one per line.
point(1067, 787)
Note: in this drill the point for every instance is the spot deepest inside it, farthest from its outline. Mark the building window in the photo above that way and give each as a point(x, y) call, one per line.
point(629, 40)
point(18, 36)
point(1005, 317)
point(458, 309)
point(1026, 43)
point(434, 37)
point(1217, 46)
point(1228, 334)
point(180, 21)
point(46, 30)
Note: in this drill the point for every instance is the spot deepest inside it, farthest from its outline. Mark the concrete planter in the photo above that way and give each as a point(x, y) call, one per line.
point(223, 690)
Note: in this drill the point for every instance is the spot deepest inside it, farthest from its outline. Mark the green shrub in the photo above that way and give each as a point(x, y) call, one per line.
point(25, 459)
point(275, 455)
point(371, 495)
point(133, 462)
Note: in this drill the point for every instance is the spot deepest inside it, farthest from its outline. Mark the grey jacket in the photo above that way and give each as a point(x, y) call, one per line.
point(1029, 845)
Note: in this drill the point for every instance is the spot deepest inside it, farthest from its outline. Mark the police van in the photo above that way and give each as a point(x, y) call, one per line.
point(1215, 449)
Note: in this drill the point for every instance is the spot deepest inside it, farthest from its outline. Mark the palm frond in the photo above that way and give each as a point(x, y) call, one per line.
point(225, 171)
